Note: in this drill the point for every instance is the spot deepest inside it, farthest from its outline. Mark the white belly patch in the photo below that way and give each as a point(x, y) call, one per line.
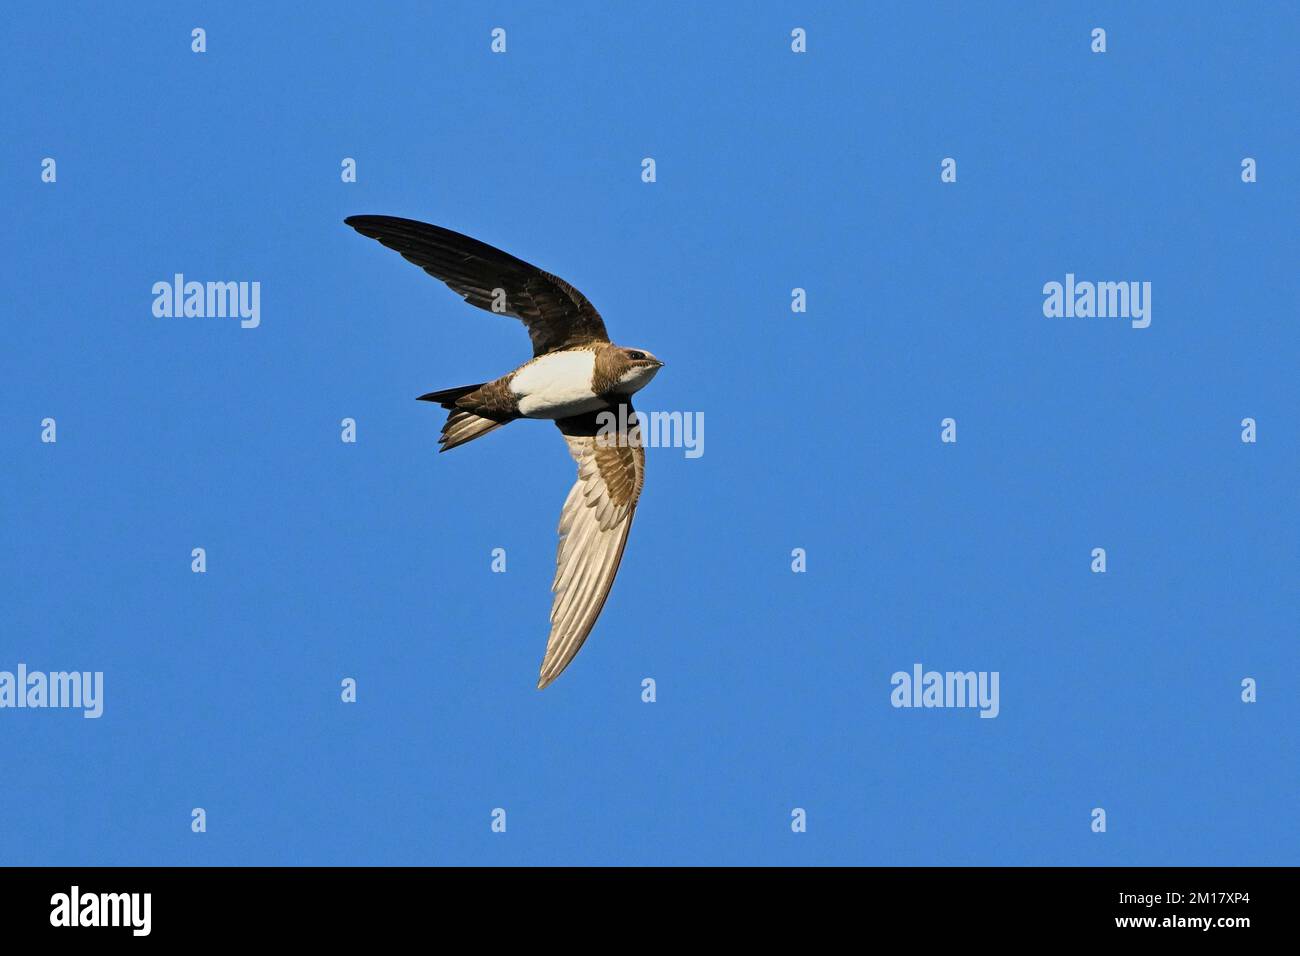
point(556, 386)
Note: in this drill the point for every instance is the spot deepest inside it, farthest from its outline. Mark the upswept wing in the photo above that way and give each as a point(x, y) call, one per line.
point(556, 314)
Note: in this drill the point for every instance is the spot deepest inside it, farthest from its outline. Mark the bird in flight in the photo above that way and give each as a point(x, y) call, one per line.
point(576, 378)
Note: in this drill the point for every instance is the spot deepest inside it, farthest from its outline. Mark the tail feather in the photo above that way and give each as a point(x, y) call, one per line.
point(463, 424)
point(448, 396)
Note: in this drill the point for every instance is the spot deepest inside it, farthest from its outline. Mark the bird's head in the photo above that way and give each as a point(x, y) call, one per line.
point(637, 367)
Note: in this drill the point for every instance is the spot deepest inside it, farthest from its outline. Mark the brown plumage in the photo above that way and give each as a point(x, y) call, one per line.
point(557, 315)
point(577, 378)
point(594, 526)
point(482, 408)
point(475, 410)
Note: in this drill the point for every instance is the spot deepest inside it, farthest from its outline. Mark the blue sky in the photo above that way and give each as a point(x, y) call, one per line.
point(774, 171)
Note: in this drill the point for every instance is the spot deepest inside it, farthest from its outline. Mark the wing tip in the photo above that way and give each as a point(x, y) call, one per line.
point(369, 225)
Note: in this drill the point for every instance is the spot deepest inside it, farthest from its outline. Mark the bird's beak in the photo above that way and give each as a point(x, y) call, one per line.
point(658, 364)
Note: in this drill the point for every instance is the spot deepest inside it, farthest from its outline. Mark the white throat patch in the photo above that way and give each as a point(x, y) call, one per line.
point(635, 379)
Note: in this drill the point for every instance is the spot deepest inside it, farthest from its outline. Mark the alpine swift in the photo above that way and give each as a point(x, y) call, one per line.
point(574, 376)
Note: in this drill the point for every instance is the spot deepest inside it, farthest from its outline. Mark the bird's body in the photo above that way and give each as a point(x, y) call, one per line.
point(561, 384)
point(575, 377)
point(557, 385)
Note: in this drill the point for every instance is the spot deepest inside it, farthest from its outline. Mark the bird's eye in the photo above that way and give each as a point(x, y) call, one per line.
point(635, 355)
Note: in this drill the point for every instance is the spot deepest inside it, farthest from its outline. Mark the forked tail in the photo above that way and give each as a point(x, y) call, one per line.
point(465, 423)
